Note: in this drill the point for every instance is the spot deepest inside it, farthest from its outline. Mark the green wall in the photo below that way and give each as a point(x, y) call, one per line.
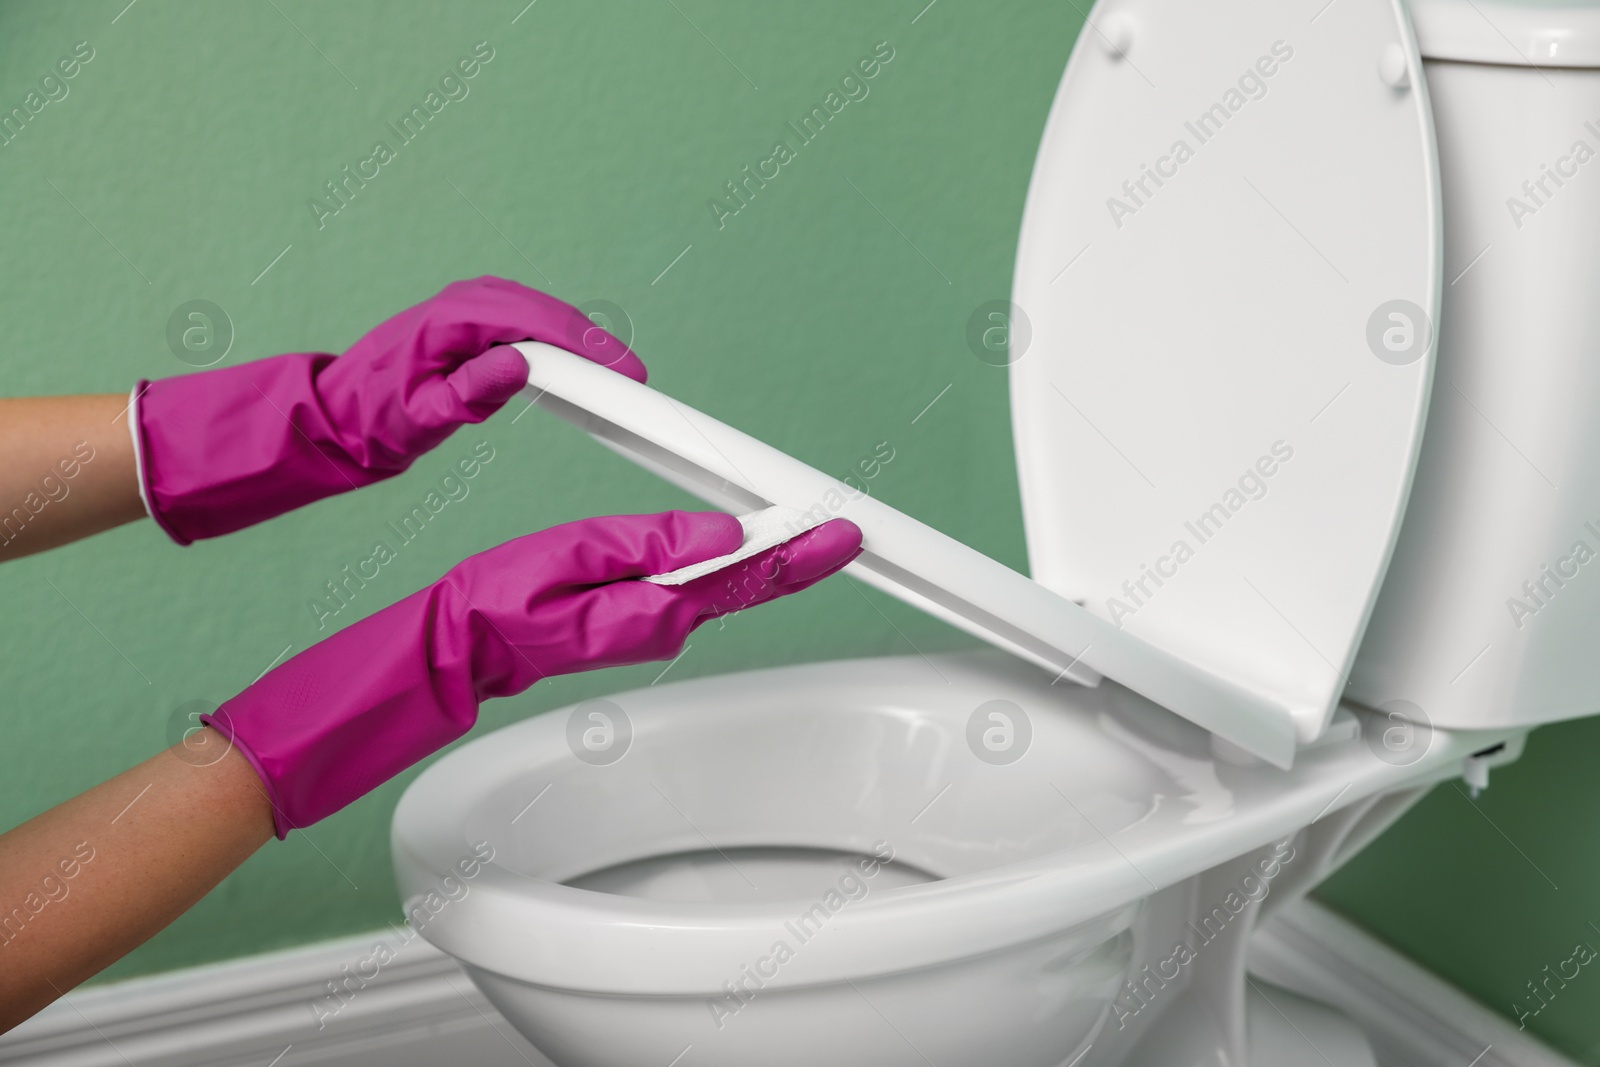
point(824, 316)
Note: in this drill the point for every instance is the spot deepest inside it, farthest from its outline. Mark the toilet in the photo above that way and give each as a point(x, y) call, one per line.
point(1304, 401)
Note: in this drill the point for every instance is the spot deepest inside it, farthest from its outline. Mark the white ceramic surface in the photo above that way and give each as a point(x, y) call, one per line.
point(1544, 33)
point(742, 793)
point(1490, 611)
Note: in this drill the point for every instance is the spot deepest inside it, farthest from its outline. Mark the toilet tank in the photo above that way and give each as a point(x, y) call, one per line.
point(1490, 612)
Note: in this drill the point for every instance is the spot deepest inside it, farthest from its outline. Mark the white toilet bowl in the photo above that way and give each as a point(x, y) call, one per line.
point(964, 860)
point(828, 864)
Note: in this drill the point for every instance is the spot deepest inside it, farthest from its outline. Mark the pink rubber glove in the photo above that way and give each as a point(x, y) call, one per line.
point(351, 712)
point(224, 449)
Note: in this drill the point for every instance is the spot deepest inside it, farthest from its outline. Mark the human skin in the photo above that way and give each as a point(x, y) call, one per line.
point(160, 835)
point(157, 838)
point(41, 438)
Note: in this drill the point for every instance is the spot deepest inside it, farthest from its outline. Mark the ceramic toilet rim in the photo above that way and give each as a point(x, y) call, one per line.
point(618, 946)
point(607, 957)
point(558, 936)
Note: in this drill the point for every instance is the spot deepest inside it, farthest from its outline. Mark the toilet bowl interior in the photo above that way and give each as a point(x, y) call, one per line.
point(761, 874)
point(750, 800)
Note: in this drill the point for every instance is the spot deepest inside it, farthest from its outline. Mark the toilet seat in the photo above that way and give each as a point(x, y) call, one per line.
point(840, 756)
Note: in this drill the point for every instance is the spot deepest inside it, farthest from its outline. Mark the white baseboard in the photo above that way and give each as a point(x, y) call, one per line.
point(1413, 1017)
point(421, 1011)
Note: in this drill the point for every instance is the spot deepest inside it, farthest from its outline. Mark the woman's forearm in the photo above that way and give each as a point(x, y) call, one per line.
point(66, 471)
point(89, 880)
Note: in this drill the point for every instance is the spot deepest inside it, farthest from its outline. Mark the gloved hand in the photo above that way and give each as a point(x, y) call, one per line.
point(224, 449)
point(348, 714)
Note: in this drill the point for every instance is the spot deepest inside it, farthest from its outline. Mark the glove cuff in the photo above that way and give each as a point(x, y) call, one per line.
point(222, 722)
point(141, 470)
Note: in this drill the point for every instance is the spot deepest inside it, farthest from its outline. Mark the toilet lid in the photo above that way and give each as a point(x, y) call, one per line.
point(1220, 344)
